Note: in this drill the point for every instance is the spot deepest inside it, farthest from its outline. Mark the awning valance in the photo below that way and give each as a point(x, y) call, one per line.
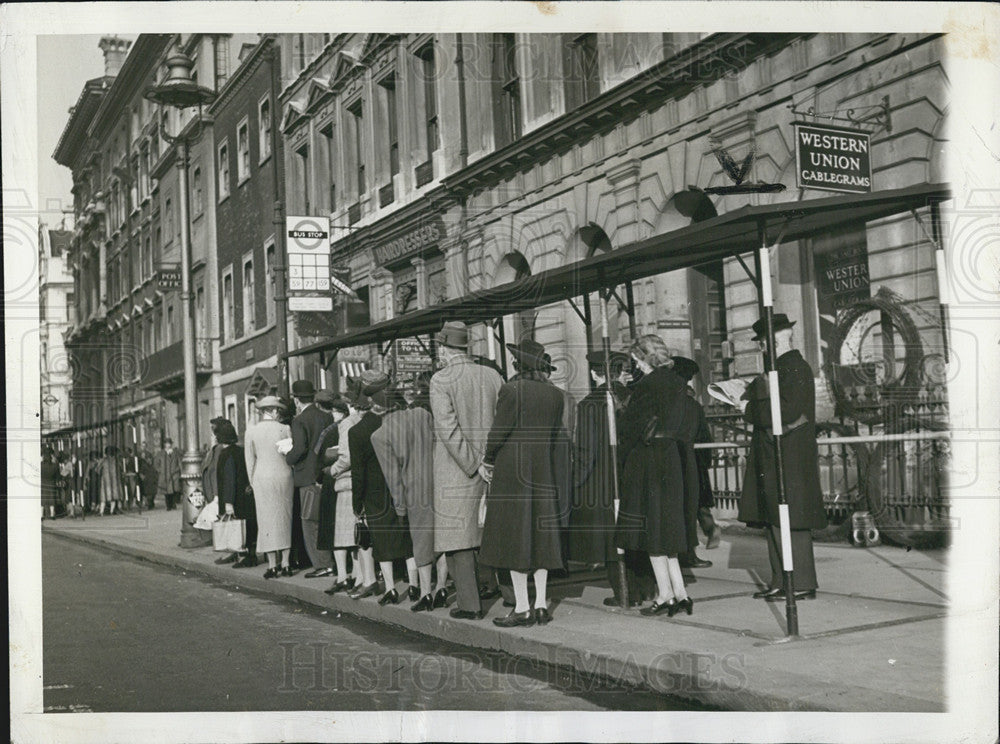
point(730, 234)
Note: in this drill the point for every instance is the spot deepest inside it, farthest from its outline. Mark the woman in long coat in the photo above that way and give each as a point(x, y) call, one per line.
point(234, 493)
point(49, 472)
point(404, 446)
point(800, 459)
point(389, 533)
point(111, 475)
point(271, 478)
point(522, 526)
point(659, 486)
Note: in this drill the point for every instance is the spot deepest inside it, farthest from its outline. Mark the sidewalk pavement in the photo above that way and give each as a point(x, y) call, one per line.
point(872, 640)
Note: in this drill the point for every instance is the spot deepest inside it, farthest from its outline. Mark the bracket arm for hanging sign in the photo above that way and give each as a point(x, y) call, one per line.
point(878, 115)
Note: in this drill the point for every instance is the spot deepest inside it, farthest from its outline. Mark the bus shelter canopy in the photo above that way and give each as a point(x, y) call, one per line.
point(731, 234)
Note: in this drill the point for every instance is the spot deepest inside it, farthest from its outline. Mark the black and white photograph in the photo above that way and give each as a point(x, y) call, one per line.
point(502, 371)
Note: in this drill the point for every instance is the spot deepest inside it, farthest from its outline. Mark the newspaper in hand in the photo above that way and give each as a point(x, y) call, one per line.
point(730, 392)
point(284, 446)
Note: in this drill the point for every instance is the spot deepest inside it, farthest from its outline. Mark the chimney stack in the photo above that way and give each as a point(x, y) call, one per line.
point(114, 50)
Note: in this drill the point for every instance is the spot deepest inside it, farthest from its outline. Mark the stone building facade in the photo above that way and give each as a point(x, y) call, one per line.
point(449, 163)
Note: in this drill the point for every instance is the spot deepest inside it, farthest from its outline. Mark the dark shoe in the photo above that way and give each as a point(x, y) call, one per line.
point(486, 593)
point(542, 616)
point(441, 598)
point(413, 593)
point(316, 573)
point(426, 603)
point(287, 571)
point(390, 596)
point(515, 619)
point(686, 604)
point(694, 562)
point(713, 539)
point(779, 595)
point(666, 608)
point(465, 614)
point(351, 583)
point(508, 603)
point(364, 591)
point(337, 587)
point(231, 558)
point(248, 561)
point(615, 602)
point(767, 593)
point(271, 573)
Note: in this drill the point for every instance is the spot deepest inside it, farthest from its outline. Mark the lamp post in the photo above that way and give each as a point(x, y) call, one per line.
point(180, 91)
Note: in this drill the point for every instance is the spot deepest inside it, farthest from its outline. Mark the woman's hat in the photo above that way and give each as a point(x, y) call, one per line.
point(531, 355)
point(325, 397)
point(453, 334)
point(685, 368)
point(372, 380)
point(781, 323)
point(269, 402)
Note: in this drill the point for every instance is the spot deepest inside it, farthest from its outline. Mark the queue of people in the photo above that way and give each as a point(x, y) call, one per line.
point(468, 482)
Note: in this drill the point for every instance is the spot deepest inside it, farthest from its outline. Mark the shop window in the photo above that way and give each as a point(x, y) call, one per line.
point(264, 128)
point(581, 70)
point(243, 151)
point(506, 90)
point(223, 172)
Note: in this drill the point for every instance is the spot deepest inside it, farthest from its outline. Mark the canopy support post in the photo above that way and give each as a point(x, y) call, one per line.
point(613, 443)
point(944, 298)
point(503, 347)
point(630, 309)
point(767, 301)
point(588, 322)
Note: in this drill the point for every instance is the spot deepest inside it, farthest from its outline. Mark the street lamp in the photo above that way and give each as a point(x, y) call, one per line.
point(180, 91)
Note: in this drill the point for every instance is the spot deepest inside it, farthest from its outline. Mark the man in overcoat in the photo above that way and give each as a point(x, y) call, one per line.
point(463, 398)
point(800, 458)
point(307, 427)
point(168, 465)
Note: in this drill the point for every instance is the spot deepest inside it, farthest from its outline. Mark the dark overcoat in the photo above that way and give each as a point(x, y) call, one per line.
point(592, 517)
point(522, 525)
point(50, 476)
point(328, 492)
point(390, 533)
point(800, 456)
point(306, 428)
point(233, 481)
point(659, 485)
point(706, 499)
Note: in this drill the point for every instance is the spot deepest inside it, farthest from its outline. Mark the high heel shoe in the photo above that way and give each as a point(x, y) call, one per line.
point(515, 619)
point(686, 604)
point(542, 615)
point(365, 591)
point(660, 608)
point(426, 604)
point(338, 586)
point(271, 573)
point(441, 598)
point(390, 596)
point(413, 593)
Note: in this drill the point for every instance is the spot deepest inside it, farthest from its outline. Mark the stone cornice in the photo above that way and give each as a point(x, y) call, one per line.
point(141, 60)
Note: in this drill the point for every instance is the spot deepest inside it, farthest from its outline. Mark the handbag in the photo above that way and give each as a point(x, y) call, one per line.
point(362, 534)
point(229, 534)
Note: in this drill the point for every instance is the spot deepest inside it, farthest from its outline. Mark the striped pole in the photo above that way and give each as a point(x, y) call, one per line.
point(767, 300)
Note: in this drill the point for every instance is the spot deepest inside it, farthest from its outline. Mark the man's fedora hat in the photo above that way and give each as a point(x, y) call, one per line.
point(372, 381)
point(685, 368)
point(781, 323)
point(303, 389)
point(453, 334)
point(531, 355)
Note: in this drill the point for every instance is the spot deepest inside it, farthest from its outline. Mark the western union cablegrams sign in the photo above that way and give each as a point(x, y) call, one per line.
point(833, 159)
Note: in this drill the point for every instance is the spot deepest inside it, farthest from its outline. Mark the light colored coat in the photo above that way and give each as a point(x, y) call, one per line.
point(463, 400)
point(271, 478)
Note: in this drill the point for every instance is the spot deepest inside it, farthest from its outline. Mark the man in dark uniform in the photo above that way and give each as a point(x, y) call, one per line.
point(307, 427)
point(800, 458)
point(686, 369)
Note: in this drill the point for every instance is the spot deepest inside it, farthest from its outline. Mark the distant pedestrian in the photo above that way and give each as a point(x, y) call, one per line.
point(271, 479)
point(759, 500)
point(112, 476)
point(168, 466)
point(94, 480)
point(130, 484)
point(463, 400)
point(49, 472)
point(522, 527)
point(148, 477)
point(65, 483)
point(659, 488)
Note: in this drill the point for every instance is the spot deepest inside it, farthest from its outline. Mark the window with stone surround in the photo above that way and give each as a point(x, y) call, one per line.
point(243, 151)
point(264, 128)
point(223, 170)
